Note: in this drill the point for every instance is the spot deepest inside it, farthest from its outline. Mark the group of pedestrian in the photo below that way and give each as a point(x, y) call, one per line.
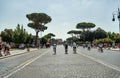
point(89, 46)
point(5, 48)
point(74, 45)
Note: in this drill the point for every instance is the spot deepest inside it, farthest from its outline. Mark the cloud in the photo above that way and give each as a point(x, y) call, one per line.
point(87, 3)
point(57, 9)
point(82, 3)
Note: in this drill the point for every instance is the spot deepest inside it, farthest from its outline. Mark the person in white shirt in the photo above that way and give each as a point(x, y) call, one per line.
point(74, 47)
point(100, 47)
point(54, 48)
point(89, 46)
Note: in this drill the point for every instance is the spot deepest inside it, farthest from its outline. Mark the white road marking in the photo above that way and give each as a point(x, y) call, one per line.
point(21, 66)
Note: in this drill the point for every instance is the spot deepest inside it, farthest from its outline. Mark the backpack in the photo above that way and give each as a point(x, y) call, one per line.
point(66, 46)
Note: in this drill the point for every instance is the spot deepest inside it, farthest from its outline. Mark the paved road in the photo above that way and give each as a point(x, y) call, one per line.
point(108, 56)
point(9, 64)
point(62, 65)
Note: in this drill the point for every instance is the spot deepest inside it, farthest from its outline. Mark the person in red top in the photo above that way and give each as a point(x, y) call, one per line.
point(7, 49)
point(119, 45)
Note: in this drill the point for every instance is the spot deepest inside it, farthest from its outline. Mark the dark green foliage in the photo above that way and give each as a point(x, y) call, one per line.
point(43, 41)
point(7, 35)
point(20, 35)
point(38, 21)
point(74, 32)
point(85, 25)
point(29, 39)
point(49, 36)
point(100, 33)
point(87, 36)
point(39, 18)
point(105, 40)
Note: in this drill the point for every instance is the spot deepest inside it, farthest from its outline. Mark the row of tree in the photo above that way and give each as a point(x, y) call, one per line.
point(19, 35)
point(97, 36)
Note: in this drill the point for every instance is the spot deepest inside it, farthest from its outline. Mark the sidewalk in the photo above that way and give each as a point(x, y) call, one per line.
point(115, 49)
point(17, 52)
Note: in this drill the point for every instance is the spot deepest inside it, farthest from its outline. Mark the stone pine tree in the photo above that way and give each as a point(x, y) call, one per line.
point(38, 21)
point(100, 33)
point(74, 32)
point(85, 25)
point(49, 36)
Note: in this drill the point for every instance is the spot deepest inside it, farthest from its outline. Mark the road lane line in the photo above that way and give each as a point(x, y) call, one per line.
point(101, 62)
point(24, 64)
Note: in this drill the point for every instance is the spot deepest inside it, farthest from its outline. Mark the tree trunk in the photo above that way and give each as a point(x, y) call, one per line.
point(36, 39)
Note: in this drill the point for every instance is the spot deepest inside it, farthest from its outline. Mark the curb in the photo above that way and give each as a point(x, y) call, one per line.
point(115, 49)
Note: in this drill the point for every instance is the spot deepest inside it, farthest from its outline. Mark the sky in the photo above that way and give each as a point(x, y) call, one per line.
point(65, 14)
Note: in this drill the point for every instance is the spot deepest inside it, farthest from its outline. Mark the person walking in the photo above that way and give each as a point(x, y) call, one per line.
point(6, 49)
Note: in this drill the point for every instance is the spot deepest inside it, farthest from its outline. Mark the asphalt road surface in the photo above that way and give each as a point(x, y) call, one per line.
point(43, 64)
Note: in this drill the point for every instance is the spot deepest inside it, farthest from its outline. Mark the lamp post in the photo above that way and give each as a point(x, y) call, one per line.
point(118, 16)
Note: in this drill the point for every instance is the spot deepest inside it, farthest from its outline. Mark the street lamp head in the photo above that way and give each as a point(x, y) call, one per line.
point(119, 17)
point(113, 19)
point(118, 14)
